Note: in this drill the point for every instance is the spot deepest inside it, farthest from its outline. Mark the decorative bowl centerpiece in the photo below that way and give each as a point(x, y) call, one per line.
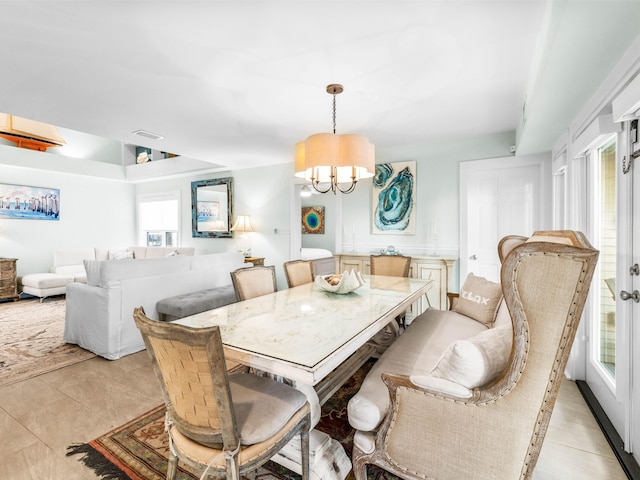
point(340, 283)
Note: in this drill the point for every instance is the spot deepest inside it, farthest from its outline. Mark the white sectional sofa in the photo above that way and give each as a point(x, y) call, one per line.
point(99, 314)
point(68, 266)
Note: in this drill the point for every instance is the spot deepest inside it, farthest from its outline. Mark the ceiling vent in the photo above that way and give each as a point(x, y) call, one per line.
point(144, 133)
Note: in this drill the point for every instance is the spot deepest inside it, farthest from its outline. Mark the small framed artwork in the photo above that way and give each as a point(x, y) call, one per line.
point(313, 220)
point(31, 203)
point(394, 199)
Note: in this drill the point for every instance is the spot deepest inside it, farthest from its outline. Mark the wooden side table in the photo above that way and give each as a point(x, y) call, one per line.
point(8, 279)
point(254, 260)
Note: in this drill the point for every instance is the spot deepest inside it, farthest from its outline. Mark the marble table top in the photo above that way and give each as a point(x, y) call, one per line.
point(303, 333)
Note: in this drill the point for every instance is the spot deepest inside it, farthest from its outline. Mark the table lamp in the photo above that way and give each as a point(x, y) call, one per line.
point(243, 225)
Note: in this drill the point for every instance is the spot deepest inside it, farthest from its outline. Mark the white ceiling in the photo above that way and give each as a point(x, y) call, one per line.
point(239, 82)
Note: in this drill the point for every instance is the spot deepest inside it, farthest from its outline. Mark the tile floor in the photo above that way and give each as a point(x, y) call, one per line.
point(41, 416)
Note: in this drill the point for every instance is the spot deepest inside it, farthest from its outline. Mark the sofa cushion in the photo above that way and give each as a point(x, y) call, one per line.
point(502, 317)
point(182, 306)
point(479, 299)
point(441, 385)
point(99, 274)
point(45, 280)
point(92, 269)
point(415, 352)
point(478, 360)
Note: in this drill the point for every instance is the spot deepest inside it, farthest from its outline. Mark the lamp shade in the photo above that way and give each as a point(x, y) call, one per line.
point(242, 224)
point(352, 156)
point(329, 158)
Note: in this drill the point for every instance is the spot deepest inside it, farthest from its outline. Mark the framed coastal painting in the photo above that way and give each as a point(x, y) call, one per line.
point(393, 202)
point(31, 203)
point(313, 220)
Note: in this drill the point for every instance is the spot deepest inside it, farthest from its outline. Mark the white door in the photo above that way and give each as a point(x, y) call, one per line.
point(633, 442)
point(613, 329)
point(498, 197)
point(609, 211)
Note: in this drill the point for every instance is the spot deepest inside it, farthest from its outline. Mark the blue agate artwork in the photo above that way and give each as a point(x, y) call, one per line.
point(394, 198)
point(31, 203)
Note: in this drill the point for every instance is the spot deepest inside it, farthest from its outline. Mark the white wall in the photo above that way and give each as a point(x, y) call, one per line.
point(326, 240)
point(93, 213)
point(262, 193)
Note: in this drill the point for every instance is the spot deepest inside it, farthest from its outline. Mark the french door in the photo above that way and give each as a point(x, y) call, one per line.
point(612, 371)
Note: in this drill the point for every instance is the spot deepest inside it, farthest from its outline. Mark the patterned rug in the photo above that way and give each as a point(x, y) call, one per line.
point(31, 340)
point(139, 449)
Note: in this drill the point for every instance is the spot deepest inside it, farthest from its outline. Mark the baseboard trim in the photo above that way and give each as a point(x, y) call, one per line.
point(627, 462)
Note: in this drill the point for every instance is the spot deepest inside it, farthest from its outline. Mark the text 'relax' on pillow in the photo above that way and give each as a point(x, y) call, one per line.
point(479, 299)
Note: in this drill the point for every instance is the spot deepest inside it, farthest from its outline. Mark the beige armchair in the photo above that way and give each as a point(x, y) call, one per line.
point(498, 432)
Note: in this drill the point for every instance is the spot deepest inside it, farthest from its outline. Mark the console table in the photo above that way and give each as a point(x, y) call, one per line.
point(255, 260)
point(432, 267)
point(8, 279)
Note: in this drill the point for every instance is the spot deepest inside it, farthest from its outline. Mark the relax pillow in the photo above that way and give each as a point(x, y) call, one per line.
point(479, 299)
point(478, 360)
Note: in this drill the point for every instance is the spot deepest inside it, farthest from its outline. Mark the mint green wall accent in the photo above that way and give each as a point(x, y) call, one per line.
point(437, 202)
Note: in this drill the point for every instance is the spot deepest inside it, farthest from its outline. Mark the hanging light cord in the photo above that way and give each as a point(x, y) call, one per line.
point(334, 111)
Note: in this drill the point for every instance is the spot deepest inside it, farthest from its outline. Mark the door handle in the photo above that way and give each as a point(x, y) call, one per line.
point(635, 295)
point(473, 257)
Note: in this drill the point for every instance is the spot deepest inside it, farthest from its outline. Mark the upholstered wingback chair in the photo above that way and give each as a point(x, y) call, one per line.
point(498, 432)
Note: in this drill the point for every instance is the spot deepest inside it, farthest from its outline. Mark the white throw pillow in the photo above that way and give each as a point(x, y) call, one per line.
point(478, 360)
point(479, 299)
point(441, 385)
point(120, 254)
point(92, 268)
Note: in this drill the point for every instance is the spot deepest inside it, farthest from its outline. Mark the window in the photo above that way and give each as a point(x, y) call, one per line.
point(159, 219)
point(605, 219)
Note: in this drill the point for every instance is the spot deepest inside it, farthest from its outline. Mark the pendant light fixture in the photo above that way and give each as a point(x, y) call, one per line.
point(332, 162)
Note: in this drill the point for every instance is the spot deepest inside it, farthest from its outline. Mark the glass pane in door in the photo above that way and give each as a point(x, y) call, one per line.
point(607, 241)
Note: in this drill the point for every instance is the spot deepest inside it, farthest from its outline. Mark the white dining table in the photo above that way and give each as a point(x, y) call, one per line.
point(311, 337)
point(304, 333)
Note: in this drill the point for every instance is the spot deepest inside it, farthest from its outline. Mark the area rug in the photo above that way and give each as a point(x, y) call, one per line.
point(31, 340)
point(139, 449)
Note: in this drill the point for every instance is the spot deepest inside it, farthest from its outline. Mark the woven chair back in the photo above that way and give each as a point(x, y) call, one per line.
point(191, 368)
point(390, 265)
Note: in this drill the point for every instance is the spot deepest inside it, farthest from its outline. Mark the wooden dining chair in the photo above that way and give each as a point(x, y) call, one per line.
point(222, 424)
point(254, 281)
point(390, 265)
point(298, 272)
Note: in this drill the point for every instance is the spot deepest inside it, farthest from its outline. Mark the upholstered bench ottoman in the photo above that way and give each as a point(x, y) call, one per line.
point(45, 284)
point(182, 306)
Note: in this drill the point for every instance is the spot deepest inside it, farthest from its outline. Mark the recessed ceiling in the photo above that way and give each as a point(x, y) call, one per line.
point(238, 83)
